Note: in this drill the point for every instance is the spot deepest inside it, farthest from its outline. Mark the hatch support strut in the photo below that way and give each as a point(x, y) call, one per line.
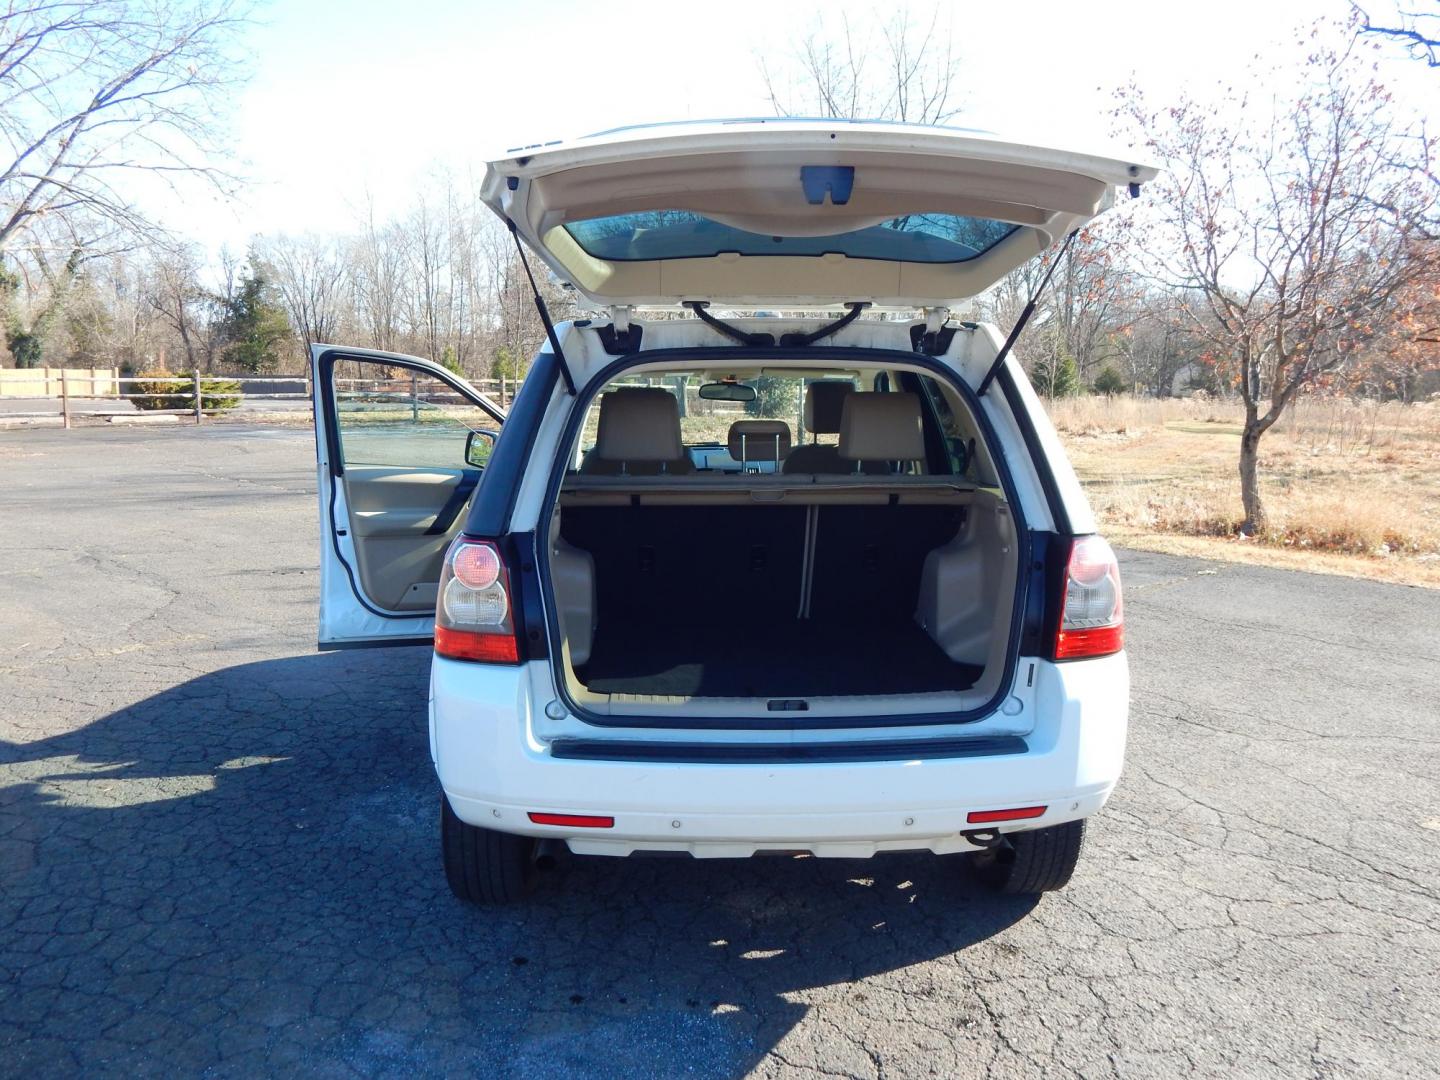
point(1024, 318)
point(544, 313)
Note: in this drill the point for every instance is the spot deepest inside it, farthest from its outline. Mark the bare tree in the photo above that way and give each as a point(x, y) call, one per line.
point(130, 322)
point(1418, 31)
point(378, 259)
point(514, 330)
point(1289, 240)
point(95, 91)
point(175, 294)
point(312, 275)
point(1095, 297)
point(1159, 343)
point(425, 274)
point(901, 69)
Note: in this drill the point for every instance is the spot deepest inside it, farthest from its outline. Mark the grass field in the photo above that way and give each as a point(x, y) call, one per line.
point(1351, 488)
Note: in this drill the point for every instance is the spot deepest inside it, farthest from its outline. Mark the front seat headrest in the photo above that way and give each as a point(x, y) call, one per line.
point(882, 427)
point(824, 405)
point(759, 440)
point(639, 423)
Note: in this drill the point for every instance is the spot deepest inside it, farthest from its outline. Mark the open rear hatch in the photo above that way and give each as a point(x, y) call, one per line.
point(797, 213)
point(874, 567)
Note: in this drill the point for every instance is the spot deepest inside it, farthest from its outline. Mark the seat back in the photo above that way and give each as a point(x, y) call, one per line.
point(825, 405)
point(638, 435)
point(758, 440)
point(879, 431)
point(824, 408)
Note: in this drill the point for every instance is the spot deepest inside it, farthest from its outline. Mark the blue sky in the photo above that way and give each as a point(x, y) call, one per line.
point(370, 100)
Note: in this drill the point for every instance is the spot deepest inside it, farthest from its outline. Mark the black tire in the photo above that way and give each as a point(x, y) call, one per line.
point(1037, 861)
point(484, 866)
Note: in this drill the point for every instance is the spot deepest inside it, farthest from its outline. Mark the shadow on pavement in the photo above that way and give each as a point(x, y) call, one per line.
point(242, 874)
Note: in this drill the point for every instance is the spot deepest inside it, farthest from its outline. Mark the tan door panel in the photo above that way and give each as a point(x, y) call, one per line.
point(391, 513)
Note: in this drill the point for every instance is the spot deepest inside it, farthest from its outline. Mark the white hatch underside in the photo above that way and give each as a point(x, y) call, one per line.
point(897, 215)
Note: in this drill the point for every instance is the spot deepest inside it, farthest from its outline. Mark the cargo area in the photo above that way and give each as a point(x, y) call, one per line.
point(824, 599)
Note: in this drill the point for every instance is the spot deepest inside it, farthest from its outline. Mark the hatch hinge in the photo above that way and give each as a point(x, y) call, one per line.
point(621, 336)
point(932, 337)
point(1024, 318)
point(544, 312)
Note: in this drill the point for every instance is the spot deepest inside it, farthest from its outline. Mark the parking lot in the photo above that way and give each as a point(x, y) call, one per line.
point(218, 848)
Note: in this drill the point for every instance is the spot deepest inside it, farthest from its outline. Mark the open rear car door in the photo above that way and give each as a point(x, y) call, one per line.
point(402, 445)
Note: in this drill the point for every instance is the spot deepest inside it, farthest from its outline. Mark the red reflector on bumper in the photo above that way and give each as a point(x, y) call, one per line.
point(977, 817)
point(580, 821)
point(1098, 641)
point(468, 645)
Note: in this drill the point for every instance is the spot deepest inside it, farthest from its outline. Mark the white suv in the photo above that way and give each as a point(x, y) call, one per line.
point(721, 584)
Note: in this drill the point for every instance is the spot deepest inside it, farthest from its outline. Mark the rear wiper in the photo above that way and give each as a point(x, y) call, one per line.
point(1024, 318)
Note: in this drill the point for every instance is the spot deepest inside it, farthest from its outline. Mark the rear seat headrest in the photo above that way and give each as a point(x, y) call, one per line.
point(639, 423)
point(824, 405)
point(763, 440)
point(881, 427)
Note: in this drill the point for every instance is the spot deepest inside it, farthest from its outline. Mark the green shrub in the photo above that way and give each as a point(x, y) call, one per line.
point(1110, 381)
point(172, 395)
point(216, 395)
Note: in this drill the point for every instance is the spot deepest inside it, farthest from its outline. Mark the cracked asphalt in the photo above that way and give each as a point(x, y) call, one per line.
point(218, 850)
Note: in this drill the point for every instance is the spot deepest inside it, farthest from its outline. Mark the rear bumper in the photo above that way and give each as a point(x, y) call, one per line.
point(495, 772)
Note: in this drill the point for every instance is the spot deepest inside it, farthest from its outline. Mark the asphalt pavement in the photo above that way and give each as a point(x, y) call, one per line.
point(218, 849)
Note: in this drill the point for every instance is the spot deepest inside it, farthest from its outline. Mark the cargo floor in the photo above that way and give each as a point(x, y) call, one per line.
point(785, 658)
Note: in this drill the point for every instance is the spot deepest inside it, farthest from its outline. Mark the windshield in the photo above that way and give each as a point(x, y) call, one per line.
point(681, 234)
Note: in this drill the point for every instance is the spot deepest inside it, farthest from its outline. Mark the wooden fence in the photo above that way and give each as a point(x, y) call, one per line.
point(47, 381)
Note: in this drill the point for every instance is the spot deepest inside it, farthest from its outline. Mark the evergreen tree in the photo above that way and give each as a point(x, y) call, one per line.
point(27, 344)
point(26, 347)
point(774, 397)
point(1110, 381)
point(254, 325)
point(506, 365)
point(1057, 376)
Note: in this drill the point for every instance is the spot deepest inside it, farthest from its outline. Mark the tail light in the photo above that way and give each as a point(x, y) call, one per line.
point(1092, 617)
point(474, 617)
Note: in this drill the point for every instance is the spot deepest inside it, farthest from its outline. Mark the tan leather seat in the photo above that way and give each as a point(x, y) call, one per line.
point(824, 406)
point(639, 435)
point(881, 433)
point(758, 440)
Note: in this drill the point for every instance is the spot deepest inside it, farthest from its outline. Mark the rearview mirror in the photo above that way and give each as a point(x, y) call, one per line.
point(479, 445)
point(727, 391)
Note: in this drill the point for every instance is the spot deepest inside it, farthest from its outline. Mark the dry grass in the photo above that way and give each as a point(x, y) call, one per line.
point(1350, 487)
